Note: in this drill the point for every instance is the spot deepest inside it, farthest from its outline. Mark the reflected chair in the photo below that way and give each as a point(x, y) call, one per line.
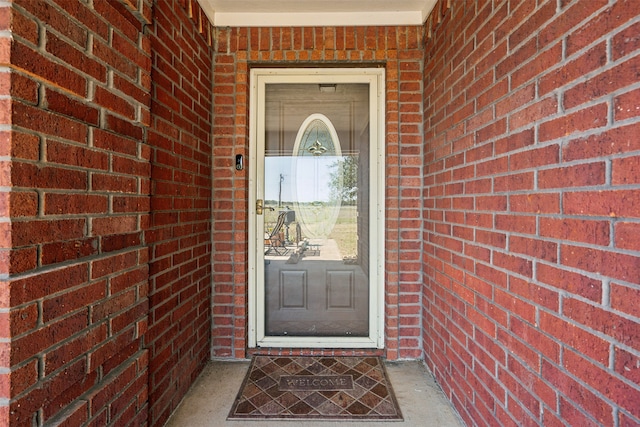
point(276, 241)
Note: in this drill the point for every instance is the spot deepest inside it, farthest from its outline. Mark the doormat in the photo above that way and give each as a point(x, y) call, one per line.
point(316, 388)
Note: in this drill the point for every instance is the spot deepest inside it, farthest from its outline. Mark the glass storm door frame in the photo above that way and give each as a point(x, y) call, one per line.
point(259, 79)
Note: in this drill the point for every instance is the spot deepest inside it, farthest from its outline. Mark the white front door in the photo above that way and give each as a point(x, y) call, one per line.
point(316, 213)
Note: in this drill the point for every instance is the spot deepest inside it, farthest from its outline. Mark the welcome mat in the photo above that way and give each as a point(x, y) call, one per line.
point(317, 387)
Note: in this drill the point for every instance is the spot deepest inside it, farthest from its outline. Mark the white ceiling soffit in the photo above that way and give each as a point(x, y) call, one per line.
point(316, 13)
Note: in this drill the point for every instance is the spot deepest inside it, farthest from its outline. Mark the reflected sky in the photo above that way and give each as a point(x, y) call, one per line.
point(307, 178)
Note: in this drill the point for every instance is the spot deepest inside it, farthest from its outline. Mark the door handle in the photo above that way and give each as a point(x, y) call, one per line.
point(260, 207)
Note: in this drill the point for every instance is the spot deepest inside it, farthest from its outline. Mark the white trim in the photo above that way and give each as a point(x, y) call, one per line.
point(259, 77)
point(297, 13)
point(317, 19)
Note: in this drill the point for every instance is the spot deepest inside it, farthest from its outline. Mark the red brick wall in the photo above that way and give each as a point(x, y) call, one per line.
point(74, 265)
point(532, 214)
point(106, 307)
point(400, 51)
point(179, 236)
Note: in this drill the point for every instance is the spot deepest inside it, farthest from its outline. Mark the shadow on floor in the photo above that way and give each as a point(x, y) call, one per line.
point(208, 402)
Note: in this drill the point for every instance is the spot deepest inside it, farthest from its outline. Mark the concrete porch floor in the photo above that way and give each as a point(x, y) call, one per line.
point(208, 402)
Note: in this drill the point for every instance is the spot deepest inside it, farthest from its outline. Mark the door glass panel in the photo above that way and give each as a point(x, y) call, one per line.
point(316, 216)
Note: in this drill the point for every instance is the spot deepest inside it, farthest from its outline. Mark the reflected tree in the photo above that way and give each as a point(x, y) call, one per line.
point(344, 180)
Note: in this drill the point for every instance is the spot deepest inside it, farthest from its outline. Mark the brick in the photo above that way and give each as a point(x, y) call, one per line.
point(24, 88)
point(513, 263)
point(53, 124)
point(627, 41)
point(131, 166)
point(113, 264)
point(114, 225)
point(522, 394)
point(536, 248)
point(627, 420)
point(36, 176)
point(86, 17)
point(19, 321)
point(75, 58)
point(612, 141)
point(492, 275)
point(47, 336)
point(32, 288)
point(624, 299)
point(515, 100)
point(72, 300)
point(620, 266)
point(114, 142)
point(20, 145)
point(514, 141)
point(127, 279)
point(113, 305)
point(68, 106)
point(114, 102)
point(113, 183)
point(537, 65)
point(75, 414)
point(582, 120)
point(589, 61)
point(583, 175)
point(535, 158)
point(130, 204)
point(613, 203)
point(52, 253)
point(32, 62)
point(576, 230)
point(117, 242)
point(64, 203)
point(517, 224)
point(627, 365)
point(23, 377)
point(21, 204)
point(491, 238)
point(113, 59)
point(124, 127)
point(33, 232)
point(515, 58)
point(574, 337)
point(620, 329)
point(22, 260)
point(625, 170)
point(627, 235)
point(602, 84)
point(534, 337)
point(22, 26)
point(57, 20)
point(625, 395)
point(614, 16)
point(514, 182)
point(540, 203)
point(132, 51)
point(566, 21)
point(573, 414)
point(514, 304)
point(574, 283)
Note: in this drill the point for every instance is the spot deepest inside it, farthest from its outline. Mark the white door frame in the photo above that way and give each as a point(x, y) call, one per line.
point(375, 77)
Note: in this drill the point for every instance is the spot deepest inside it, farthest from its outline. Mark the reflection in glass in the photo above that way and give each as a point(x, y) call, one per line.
point(316, 235)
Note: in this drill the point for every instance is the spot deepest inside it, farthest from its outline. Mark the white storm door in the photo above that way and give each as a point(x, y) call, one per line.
point(316, 212)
